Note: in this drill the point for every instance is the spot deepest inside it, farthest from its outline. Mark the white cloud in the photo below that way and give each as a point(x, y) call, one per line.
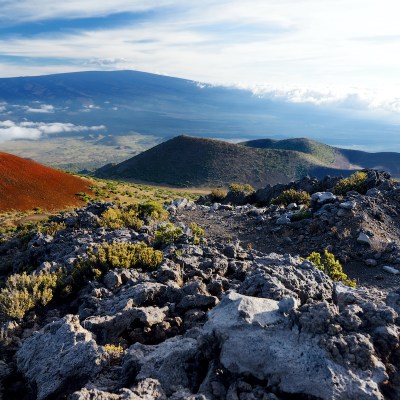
point(43, 109)
point(108, 62)
point(34, 130)
point(27, 10)
point(311, 51)
point(290, 41)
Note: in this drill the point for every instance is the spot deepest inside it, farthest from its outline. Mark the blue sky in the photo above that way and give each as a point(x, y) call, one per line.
point(339, 52)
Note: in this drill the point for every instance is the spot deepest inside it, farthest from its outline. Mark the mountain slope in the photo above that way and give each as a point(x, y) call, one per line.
point(334, 156)
point(25, 184)
point(190, 161)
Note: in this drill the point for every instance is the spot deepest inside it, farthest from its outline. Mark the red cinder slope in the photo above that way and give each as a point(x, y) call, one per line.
point(25, 184)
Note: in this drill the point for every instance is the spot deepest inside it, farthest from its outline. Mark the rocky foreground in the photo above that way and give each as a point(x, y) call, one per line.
point(214, 320)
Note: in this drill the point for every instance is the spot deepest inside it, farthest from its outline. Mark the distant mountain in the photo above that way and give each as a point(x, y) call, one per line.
point(190, 161)
point(25, 184)
point(333, 156)
point(132, 103)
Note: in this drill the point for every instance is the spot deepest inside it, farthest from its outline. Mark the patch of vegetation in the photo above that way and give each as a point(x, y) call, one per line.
point(121, 255)
point(115, 352)
point(116, 218)
point(167, 234)
point(302, 214)
point(152, 210)
point(292, 196)
point(51, 228)
point(217, 195)
point(83, 196)
point(24, 292)
point(197, 231)
point(332, 267)
point(355, 182)
point(238, 188)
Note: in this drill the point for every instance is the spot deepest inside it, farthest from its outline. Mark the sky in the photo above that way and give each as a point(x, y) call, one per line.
point(343, 52)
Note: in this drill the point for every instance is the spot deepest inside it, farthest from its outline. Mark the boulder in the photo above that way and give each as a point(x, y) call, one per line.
point(109, 327)
point(174, 363)
point(60, 357)
point(257, 340)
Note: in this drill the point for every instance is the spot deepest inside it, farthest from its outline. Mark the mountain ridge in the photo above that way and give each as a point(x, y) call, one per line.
point(191, 161)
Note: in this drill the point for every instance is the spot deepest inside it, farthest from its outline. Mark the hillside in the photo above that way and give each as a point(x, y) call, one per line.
point(334, 156)
point(25, 184)
point(190, 161)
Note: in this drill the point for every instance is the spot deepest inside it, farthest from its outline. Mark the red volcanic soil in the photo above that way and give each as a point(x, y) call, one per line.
point(25, 184)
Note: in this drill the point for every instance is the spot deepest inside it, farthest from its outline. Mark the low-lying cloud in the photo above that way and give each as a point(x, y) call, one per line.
point(34, 130)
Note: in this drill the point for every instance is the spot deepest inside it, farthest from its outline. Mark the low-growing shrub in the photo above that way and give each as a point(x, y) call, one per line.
point(83, 196)
point(116, 218)
point(302, 214)
point(167, 233)
point(24, 292)
point(217, 195)
point(120, 255)
point(152, 210)
point(239, 188)
point(355, 182)
point(292, 196)
point(52, 228)
point(197, 231)
point(332, 267)
point(114, 352)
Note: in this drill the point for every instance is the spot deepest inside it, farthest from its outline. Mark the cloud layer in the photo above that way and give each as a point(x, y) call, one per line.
point(296, 42)
point(34, 130)
point(340, 54)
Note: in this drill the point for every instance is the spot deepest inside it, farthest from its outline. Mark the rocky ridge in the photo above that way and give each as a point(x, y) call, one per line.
point(215, 319)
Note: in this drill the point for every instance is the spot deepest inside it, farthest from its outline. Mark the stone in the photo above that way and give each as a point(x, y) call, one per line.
point(287, 304)
point(348, 205)
point(363, 238)
point(59, 357)
point(390, 270)
point(283, 220)
point(175, 362)
point(323, 198)
point(371, 262)
point(112, 280)
point(109, 327)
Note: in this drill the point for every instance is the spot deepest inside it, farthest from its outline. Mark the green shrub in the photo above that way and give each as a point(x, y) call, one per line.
point(24, 292)
point(353, 182)
point(302, 214)
point(152, 210)
point(52, 228)
point(116, 218)
point(168, 233)
point(292, 196)
point(83, 196)
point(120, 255)
point(197, 231)
point(238, 188)
point(331, 267)
point(217, 195)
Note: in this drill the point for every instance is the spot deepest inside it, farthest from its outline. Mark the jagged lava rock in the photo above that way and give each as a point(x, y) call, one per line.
point(256, 339)
point(60, 357)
